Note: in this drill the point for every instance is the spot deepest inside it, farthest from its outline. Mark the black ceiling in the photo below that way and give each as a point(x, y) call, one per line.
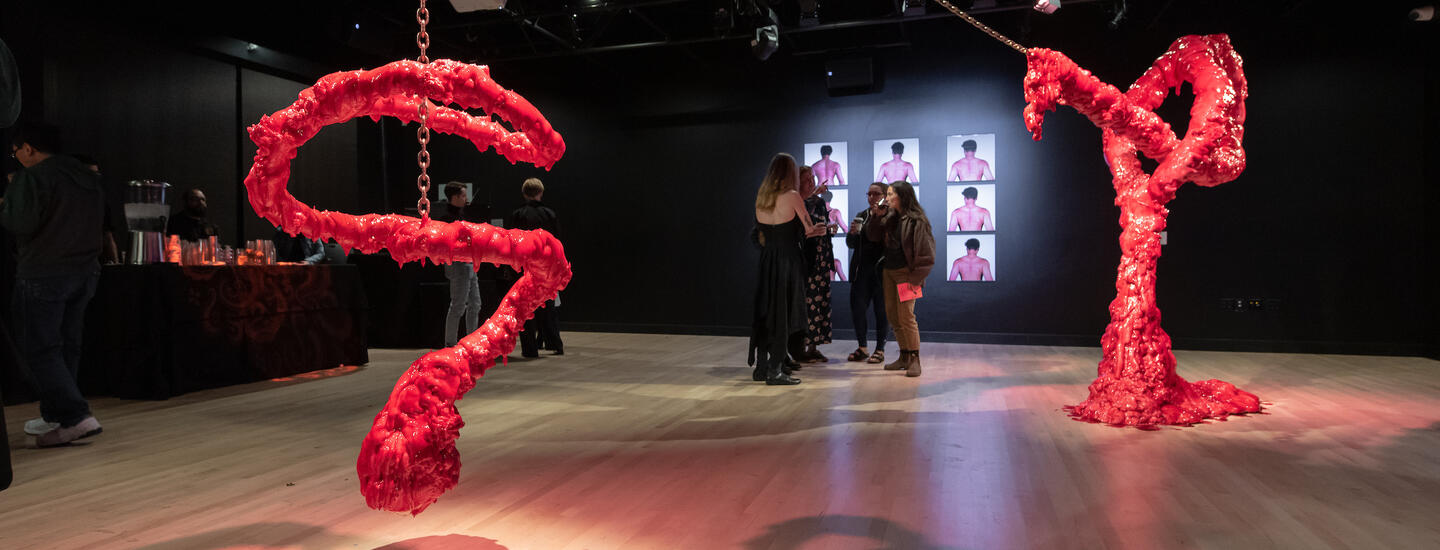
point(347, 33)
point(548, 34)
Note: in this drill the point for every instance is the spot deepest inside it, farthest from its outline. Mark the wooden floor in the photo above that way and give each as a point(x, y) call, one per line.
point(643, 441)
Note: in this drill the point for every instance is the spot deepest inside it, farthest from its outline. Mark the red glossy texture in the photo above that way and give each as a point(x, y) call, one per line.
point(1137, 384)
point(409, 458)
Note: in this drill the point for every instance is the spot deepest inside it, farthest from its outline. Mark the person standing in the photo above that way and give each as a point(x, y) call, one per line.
point(819, 262)
point(115, 223)
point(535, 215)
point(778, 321)
point(191, 224)
point(464, 283)
point(54, 207)
point(867, 241)
point(909, 256)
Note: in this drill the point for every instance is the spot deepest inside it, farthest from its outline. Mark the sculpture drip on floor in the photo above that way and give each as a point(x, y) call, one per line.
point(1137, 384)
point(409, 458)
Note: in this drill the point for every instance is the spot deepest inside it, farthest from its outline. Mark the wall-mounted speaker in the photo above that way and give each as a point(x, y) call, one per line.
point(850, 76)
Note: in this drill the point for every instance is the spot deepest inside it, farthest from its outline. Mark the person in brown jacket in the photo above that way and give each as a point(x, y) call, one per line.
point(909, 256)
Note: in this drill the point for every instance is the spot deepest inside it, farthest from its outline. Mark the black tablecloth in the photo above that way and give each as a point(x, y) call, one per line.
point(408, 302)
point(155, 331)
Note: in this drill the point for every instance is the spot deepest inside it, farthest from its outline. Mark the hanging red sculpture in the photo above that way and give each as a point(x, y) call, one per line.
point(409, 458)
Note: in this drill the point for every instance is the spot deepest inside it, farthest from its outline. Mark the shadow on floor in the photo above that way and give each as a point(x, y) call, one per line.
point(796, 532)
point(445, 542)
point(255, 534)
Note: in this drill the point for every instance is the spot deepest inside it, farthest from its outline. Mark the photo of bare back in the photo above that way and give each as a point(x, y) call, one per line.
point(829, 161)
point(841, 274)
point(970, 207)
point(837, 203)
point(971, 157)
point(897, 160)
point(970, 258)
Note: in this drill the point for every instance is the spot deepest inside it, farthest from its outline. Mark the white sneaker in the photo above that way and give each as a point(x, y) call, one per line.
point(37, 426)
point(63, 436)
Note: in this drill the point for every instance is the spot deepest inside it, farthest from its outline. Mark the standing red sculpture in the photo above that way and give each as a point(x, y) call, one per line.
point(1137, 384)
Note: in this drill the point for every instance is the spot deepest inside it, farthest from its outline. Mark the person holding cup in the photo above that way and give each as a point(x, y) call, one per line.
point(909, 257)
point(819, 262)
point(867, 243)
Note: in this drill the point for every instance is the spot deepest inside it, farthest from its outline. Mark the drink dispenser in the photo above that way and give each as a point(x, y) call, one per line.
point(146, 212)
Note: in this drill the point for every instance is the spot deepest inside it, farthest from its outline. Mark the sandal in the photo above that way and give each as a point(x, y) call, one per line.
point(856, 356)
point(877, 357)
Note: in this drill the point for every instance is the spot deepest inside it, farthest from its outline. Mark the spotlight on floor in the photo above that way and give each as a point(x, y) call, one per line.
point(1047, 6)
point(1422, 13)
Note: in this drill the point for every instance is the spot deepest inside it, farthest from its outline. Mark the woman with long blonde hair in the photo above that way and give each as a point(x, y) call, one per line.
point(779, 314)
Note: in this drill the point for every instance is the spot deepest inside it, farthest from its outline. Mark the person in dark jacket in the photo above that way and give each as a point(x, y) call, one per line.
point(909, 256)
point(191, 223)
point(54, 207)
point(866, 289)
point(535, 215)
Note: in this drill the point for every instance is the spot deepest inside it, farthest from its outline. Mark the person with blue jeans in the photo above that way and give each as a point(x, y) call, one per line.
point(464, 283)
point(54, 207)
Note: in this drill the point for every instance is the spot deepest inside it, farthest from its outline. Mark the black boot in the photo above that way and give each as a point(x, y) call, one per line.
point(902, 362)
point(778, 377)
point(758, 374)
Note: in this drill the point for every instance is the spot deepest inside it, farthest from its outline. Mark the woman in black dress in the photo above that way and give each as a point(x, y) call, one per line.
point(779, 315)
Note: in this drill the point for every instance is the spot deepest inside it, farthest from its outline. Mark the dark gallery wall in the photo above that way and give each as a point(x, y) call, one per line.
point(148, 108)
point(170, 118)
point(324, 171)
point(1328, 228)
